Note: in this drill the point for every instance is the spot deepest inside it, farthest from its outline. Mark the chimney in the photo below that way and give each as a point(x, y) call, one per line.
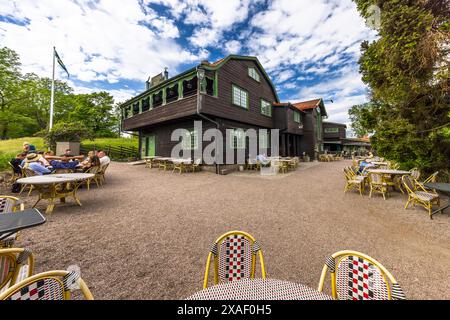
point(166, 74)
point(148, 84)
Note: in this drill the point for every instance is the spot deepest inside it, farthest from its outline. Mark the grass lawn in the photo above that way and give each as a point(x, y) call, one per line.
point(9, 148)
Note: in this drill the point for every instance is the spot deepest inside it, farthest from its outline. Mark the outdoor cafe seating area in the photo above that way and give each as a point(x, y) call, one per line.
point(174, 164)
point(378, 176)
point(272, 165)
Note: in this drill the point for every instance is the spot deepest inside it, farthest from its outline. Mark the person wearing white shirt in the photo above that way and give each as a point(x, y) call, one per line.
point(104, 159)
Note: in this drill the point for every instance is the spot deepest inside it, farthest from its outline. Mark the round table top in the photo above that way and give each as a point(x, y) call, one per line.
point(259, 289)
point(439, 186)
point(55, 178)
point(388, 171)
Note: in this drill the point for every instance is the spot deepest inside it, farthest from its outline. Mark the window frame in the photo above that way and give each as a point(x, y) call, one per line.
point(240, 141)
point(255, 75)
point(266, 140)
point(269, 107)
point(297, 117)
point(331, 130)
point(247, 102)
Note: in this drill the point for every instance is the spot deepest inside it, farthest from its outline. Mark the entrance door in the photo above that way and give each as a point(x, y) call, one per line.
point(148, 146)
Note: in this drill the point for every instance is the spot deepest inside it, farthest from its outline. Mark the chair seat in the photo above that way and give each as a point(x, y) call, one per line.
point(357, 181)
point(425, 196)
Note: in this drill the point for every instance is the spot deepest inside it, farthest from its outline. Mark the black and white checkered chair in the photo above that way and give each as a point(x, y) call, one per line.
point(356, 276)
point(16, 264)
point(10, 204)
point(234, 256)
point(50, 285)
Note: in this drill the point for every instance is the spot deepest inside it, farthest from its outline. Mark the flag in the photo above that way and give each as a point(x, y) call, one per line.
point(61, 63)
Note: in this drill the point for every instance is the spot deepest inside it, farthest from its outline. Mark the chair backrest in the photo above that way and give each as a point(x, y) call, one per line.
point(28, 172)
point(15, 264)
point(103, 168)
point(409, 184)
point(93, 170)
point(375, 178)
point(356, 276)
point(415, 173)
point(10, 204)
point(51, 285)
point(432, 178)
point(234, 254)
point(198, 162)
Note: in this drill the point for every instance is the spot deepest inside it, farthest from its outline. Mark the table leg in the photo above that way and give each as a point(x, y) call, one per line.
point(50, 206)
point(62, 200)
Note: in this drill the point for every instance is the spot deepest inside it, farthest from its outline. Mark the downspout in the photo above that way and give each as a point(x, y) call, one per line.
point(205, 117)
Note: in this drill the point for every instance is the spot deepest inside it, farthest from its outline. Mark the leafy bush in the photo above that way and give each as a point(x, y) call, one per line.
point(67, 131)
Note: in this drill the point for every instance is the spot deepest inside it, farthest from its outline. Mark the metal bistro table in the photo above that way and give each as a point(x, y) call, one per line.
point(440, 187)
point(259, 289)
point(13, 222)
point(56, 186)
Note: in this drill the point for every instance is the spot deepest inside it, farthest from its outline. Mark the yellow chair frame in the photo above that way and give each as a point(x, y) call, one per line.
point(414, 199)
point(394, 290)
point(54, 274)
point(18, 204)
point(211, 256)
point(15, 257)
point(381, 186)
point(352, 182)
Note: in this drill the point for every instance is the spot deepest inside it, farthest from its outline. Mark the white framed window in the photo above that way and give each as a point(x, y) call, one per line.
point(237, 139)
point(263, 139)
point(190, 140)
point(266, 108)
point(254, 74)
point(240, 97)
point(297, 116)
point(331, 130)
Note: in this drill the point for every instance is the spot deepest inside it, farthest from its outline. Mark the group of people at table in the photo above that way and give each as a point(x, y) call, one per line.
point(42, 163)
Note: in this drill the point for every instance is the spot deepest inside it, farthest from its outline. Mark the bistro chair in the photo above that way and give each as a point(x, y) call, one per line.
point(432, 178)
point(234, 258)
point(352, 182)
point(27, 173)
point(101, 174)
point(377, 183)
point(196, 166)
point(420, 196)
point(50, 285)
point(96, 172)
point(356, 276)
point(415, 174)
point(14, 176)
point(16, 264)
point(180, 166)
point(10, 204)
point(251, 164)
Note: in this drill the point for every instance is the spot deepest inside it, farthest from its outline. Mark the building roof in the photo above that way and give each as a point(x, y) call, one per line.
point(311, 104)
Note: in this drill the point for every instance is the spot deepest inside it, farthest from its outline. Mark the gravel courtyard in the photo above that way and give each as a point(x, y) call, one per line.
point(146, 233)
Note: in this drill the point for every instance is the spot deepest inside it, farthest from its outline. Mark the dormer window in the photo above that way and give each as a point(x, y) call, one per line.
point(253, 74)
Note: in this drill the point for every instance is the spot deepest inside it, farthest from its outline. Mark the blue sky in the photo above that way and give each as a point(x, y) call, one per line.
point(309, 48)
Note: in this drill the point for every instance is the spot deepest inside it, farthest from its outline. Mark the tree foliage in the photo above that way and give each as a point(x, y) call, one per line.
point(67, 131)
point(407, 71)
point(25, 103)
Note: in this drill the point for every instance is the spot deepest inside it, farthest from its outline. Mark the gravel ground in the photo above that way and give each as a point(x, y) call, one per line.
point(146, 234)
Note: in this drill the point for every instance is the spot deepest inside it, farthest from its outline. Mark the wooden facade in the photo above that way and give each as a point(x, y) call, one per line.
point(205, 93)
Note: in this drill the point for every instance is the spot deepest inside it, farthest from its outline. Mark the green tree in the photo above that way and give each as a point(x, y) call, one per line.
point(407, 71)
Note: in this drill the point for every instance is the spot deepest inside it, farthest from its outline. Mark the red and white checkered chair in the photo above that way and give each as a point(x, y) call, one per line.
point(10, 204)
point(51, 285)
point(16, 264)
point(234, 257)
point(356, 276)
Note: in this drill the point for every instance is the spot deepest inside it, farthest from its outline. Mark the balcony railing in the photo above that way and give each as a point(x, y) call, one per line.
point(174, 91)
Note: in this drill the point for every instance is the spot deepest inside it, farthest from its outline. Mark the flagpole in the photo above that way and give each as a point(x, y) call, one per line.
point(52, 97)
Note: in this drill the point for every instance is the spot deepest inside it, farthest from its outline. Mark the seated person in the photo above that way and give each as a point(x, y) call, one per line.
point(64, 163)
point(32, 163)
point(93, 161)
point(88, 158)
point(68, 153)
point(17, 162)
point(104, 159)
point(28, 148)
point(364, 166)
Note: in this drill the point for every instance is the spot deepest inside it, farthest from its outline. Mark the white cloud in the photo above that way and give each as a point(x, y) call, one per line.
point(232, 47)
point(96, 41)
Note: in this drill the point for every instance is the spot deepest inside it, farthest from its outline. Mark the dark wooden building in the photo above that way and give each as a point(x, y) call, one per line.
point(333, 135)
point(232, 93)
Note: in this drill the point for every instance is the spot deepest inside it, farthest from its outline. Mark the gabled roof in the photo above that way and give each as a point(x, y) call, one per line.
point(219, 63)
point(311, 104)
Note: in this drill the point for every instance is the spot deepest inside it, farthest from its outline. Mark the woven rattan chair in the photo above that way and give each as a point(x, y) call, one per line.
point(27, 173)
point(50, 285)
point(352, 182)
point(13, 177)
point(377, 183)
point(10, 204)
point(196, 165)
point(101, 174)
point(415, 174)
point(234, 257)
point(16, 264)
point(420, 196)
point(356, 276)
point(97, 177)
point(432, 178)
